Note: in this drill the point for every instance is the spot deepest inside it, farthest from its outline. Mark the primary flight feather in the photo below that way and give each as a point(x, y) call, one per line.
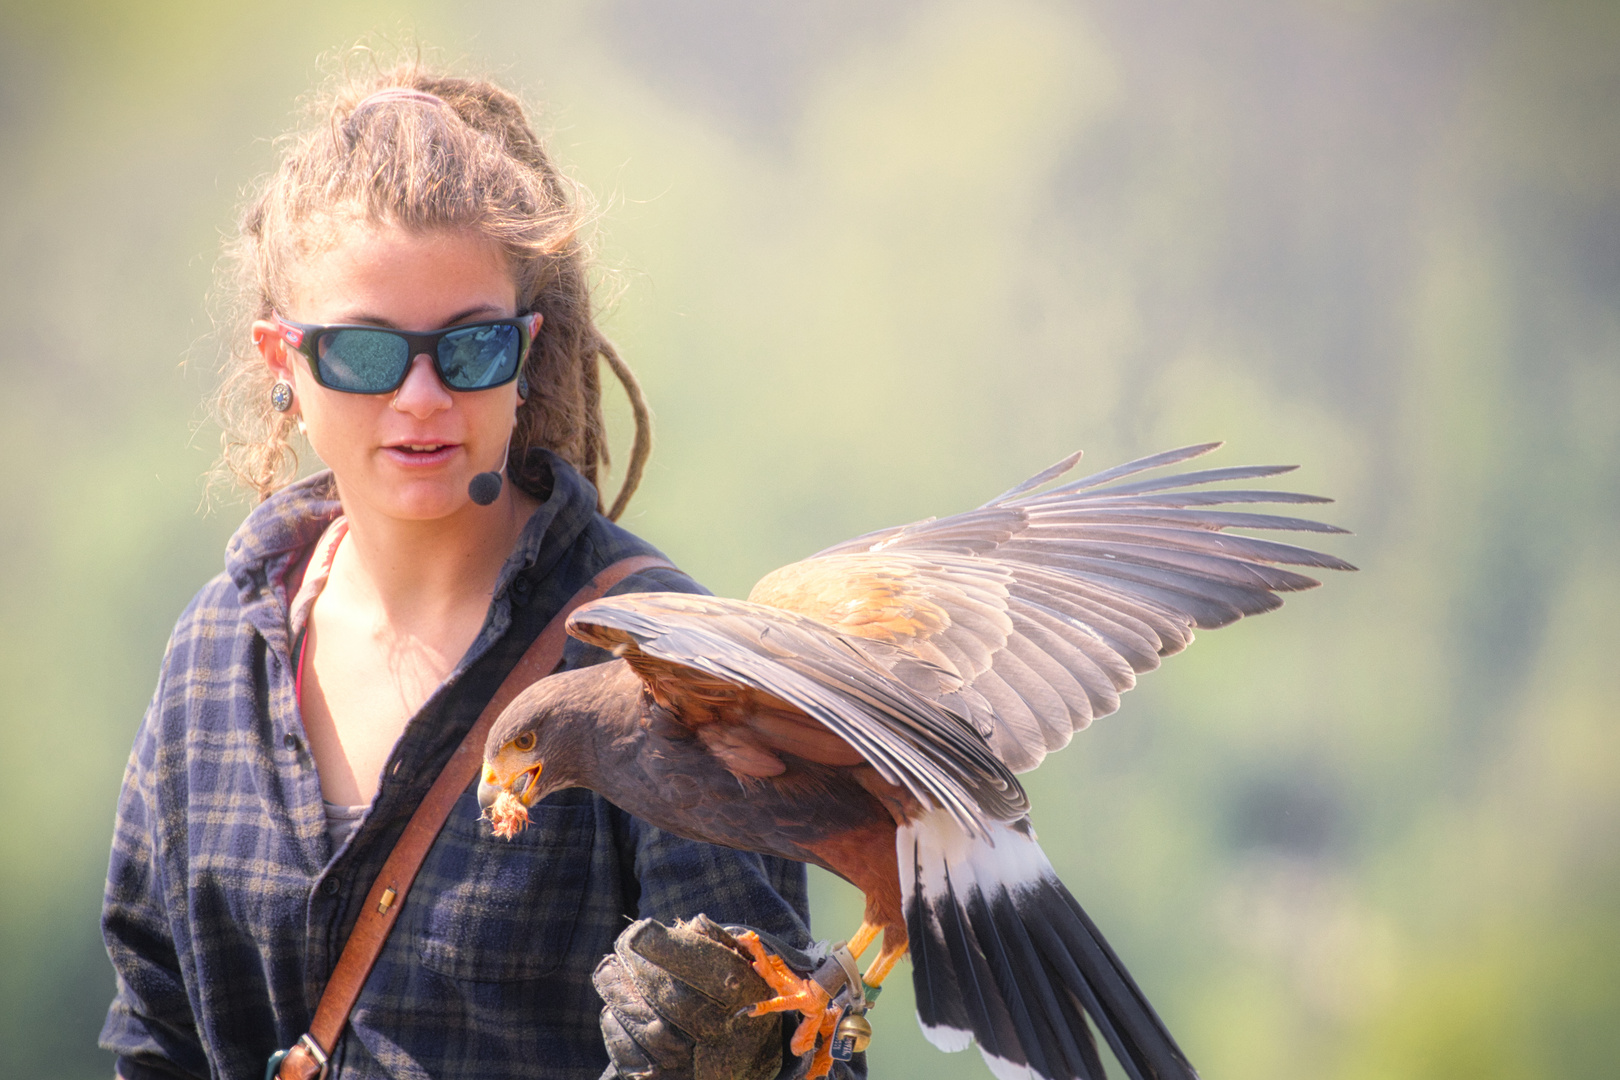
point(867, 709)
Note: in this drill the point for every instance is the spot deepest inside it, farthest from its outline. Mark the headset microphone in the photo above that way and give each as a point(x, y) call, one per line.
point(485, 488)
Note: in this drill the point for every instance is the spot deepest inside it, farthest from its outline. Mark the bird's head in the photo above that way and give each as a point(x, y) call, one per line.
point(514, 776)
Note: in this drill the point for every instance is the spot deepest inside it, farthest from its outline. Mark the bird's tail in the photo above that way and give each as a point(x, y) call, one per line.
point(1002, 953)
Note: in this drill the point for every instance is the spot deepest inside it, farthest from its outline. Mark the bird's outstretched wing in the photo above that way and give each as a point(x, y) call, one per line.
point(1031, 614)
point(954, 652)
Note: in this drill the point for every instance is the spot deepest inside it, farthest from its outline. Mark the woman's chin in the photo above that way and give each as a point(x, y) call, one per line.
point(419, 499)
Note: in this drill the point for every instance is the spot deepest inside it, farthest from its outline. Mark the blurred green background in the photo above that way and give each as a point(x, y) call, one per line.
point(876, 261)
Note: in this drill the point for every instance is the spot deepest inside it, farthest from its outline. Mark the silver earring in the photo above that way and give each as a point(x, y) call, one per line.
point(281, 395)
point(523, 387)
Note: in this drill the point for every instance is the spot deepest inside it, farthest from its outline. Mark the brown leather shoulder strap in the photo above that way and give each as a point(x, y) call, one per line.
point(382, 904)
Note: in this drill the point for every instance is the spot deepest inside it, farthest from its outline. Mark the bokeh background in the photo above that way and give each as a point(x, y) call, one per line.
point(878, 260)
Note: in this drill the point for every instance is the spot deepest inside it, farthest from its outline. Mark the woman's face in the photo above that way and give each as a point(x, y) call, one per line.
point(409, 454)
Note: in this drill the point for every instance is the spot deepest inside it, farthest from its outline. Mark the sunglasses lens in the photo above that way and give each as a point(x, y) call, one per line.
point(479, 356)
point(362, 361)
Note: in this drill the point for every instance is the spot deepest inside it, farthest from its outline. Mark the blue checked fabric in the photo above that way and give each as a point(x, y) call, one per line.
point(226, 908)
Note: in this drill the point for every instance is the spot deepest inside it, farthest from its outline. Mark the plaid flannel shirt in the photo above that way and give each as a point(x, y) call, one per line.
point(226, 908)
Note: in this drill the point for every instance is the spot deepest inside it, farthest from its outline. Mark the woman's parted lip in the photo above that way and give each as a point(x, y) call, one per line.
point(421, 446)
point(421, 454)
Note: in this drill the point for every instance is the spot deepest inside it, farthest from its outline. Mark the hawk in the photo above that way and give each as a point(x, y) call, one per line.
point(868, 710)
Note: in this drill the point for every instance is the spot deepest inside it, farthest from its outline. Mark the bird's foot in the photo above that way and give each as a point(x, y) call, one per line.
point(822, 1063)
point(798, 993)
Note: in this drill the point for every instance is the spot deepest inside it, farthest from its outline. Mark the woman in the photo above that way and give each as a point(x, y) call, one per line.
point(312, 692)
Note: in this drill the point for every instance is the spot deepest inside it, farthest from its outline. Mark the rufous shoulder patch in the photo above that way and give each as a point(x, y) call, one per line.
point(862, 596)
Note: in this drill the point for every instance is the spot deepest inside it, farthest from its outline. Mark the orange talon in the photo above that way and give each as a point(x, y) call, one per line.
point(804, 995)
point(793, 992)
point(821, 1064)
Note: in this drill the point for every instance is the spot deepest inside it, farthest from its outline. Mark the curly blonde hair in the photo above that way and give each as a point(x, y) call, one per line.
point(423, 150)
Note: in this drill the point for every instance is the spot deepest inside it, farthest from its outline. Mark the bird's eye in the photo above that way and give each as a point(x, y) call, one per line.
point(524, 742)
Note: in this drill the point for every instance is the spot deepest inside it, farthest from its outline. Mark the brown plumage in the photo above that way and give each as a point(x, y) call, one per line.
point(867, 709)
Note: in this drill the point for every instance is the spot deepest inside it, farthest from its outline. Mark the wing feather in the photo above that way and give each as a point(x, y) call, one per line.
point(1123, 631)
point(1130, 468)
point(967, 655)
point(1161, 632)
point(1057, 661)
point(1047, 604)
point(1015, 732)
point(1019, 666)
point(1199, 519)
point(1181, 499)
point(1202, 476)
point(1098, 669)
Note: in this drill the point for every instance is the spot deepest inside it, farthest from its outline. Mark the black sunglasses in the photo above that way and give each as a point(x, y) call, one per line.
point(371, 360)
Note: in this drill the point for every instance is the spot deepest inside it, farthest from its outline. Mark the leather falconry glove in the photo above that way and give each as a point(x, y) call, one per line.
point(677, 1001)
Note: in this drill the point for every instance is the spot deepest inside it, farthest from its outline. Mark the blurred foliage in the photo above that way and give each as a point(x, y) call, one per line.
point(878, 261)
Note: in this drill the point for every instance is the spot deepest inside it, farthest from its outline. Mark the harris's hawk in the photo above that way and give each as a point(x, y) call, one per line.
point(867, 709)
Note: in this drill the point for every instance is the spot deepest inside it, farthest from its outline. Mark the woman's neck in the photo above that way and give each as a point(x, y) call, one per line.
point(416, 573)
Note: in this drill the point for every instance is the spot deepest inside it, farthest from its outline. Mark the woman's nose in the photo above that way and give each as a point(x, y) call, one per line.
point(422, 394)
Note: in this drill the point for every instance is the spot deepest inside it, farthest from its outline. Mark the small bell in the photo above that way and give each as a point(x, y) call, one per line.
point(853, 1034)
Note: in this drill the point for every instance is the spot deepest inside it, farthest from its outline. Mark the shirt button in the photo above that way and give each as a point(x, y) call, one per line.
point(331, 886)
point(290, 741)
point(521, 590)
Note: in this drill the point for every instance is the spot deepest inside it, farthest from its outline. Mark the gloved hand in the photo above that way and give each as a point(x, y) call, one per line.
point(677, 1001)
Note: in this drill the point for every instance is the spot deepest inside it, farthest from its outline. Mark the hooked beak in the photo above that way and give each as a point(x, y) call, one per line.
point(521, 785)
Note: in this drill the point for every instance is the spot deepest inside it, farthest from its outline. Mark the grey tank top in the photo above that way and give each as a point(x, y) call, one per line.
point(342, 821)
